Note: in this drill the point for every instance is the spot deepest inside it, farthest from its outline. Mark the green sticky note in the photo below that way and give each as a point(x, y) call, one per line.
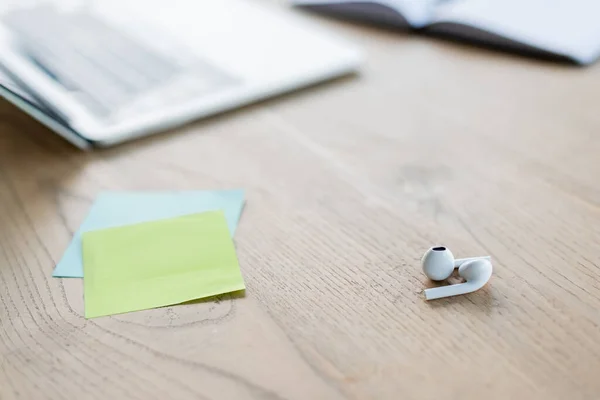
point(158, 263)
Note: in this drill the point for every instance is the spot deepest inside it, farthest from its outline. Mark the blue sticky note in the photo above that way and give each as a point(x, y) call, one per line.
point(113, 209)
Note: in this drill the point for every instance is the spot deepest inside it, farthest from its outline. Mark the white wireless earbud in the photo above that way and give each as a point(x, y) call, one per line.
point(476, 273)
point(439, 263)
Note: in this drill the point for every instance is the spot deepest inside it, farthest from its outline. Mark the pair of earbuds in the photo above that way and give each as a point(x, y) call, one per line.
point(439, 264)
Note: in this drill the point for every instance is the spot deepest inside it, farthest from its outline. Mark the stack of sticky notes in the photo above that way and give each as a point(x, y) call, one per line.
point(137, 251)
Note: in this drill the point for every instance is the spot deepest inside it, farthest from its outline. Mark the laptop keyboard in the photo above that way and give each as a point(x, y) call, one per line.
point(109, 71)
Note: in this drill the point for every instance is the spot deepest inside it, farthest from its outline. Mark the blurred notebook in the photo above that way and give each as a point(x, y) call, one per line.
point(98, 76)
point(563, 28)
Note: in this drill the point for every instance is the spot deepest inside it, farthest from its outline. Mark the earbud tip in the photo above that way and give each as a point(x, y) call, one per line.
point(438, 263)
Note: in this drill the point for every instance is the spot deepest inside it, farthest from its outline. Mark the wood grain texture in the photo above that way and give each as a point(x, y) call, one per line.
point(347, 183)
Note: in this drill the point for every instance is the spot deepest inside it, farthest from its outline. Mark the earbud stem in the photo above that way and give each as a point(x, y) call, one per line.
point(459, 261)
point(451, 290)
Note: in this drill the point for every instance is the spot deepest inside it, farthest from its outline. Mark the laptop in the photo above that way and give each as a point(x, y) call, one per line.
point(101, 72)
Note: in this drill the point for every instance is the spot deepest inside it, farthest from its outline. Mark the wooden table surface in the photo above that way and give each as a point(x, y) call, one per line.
point(348, 183)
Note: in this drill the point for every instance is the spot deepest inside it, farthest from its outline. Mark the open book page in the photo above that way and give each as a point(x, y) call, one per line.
point(408, 13)
point(566, 28)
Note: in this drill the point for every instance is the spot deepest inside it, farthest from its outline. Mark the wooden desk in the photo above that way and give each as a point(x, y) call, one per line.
point(347, 185)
